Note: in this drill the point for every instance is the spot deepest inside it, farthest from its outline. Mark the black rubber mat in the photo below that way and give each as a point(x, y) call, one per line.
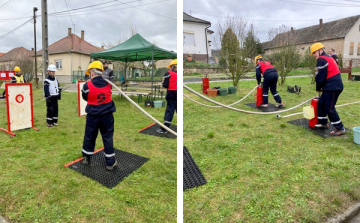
point(270, 108)
point(321, 132)
point(192, 174)
point(127, 163)
point(151, 130)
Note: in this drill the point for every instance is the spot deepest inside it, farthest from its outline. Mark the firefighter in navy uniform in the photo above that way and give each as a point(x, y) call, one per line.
point(329, 82)
point(99, 109)
point(17, 78)
point(52, 95)
point(170, 82)
point(108, 72)
point(270, 75)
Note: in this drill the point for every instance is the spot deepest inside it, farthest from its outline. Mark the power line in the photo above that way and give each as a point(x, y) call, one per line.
point(5, 4)
point(69, 14)
point(56, 16)
point(6, 34)
point(324, 5)
point(149, 11)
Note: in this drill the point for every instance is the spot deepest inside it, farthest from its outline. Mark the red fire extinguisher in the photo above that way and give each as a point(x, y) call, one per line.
point(259, 97)
point(314, 121)
point(205, 84)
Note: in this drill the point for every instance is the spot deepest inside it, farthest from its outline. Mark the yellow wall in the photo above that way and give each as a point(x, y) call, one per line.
point(78, 60)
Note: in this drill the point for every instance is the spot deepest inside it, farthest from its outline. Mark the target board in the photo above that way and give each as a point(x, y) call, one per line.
point(81, 102)
point(19, 100)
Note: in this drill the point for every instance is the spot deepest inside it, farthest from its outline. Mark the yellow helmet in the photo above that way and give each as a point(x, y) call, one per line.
point(257, 57)
point(94, 65)
point(17, 69)
point(173, 62)
point(315, 47)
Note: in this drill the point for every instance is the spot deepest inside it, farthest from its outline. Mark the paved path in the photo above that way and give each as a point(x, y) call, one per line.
point(2, 220)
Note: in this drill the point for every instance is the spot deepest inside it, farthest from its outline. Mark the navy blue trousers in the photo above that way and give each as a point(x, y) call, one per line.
point(169, 113)
point(104, 123)
point(326, 107)
point(270, 81)
point(52, 110)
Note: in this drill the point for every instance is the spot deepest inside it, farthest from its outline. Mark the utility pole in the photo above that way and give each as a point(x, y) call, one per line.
point(45, 43)
point(36, 78)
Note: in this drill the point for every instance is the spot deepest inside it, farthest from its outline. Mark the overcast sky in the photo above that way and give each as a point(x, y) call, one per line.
point(155, 20)
point(271, 14)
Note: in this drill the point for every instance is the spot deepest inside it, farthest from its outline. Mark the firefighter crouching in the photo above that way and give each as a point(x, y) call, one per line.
point(270, 75)
point(329, 82)
point(99, 109)
point(52, 95)
point(170, 82)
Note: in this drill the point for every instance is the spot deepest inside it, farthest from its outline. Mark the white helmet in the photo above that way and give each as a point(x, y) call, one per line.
point(52, 67)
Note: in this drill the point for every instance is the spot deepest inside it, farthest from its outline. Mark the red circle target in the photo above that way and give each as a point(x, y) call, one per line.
point(19, 98)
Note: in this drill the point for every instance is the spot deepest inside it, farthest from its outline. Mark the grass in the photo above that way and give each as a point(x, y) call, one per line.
point(194, 63)
point(35, 187)
point(263, 169)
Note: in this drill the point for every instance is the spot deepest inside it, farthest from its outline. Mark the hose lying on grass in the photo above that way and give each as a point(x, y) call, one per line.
point(240, 110)
point(298, 113)
point(212, 106)
point(142, 110)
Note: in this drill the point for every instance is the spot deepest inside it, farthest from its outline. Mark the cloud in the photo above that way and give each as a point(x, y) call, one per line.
point(104, 22)
point(271, 14)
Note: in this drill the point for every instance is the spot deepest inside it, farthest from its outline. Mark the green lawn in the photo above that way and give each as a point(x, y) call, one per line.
point(263, 169)
point(35, 187)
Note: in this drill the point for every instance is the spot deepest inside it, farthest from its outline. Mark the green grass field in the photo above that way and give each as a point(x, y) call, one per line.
point(35, 186)
point(263, 169)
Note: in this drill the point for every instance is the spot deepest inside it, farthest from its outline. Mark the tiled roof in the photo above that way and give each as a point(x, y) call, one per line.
point(14, 54)
point(1, 54)
point(72, 43)
point(189, 18)
point(330, 30)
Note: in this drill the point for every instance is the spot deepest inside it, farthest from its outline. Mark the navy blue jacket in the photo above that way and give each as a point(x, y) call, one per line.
point(98, 82)
point(334, 83)
point(170, 95)
point(258, 73)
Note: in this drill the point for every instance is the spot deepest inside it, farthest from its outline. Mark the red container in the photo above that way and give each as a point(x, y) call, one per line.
point(205, 84)
point(314, 121)
point(259, 97)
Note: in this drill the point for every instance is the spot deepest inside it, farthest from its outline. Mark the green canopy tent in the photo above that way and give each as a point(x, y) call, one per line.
point(135, 49)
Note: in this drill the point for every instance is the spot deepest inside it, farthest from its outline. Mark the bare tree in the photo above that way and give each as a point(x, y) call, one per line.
point(230, 37)
point(310, 63)
point(285, 56)
point(27, 66)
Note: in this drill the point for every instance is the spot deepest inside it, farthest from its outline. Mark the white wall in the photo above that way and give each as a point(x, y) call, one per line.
point(199, 46)
point(352, 36)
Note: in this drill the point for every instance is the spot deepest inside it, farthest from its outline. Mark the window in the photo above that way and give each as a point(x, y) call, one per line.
point(358, 52)
point(189, 39)
point(58, 64)
point(351, 50)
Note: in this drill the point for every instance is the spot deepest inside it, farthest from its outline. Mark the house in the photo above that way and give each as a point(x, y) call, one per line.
point(197, 38)
point(8, 60)
point(69, 55)
point(343, 35)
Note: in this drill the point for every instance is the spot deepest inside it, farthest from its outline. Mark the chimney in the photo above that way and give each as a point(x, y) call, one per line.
point(102, 47)
point(69, 32)
point(82, 34)
point(320, 24)
point(32, 49)
point(292, 30)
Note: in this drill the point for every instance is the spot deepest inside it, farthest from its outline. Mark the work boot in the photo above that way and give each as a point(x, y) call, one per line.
point(321, 126)
point(296, 89)
point(279, 105)
point(113, 166)
point(299, 90)
point(55, 124)
point(49, 125)
point(86, 160)
point(161, 131)
point(264, 105)
point(338, 132)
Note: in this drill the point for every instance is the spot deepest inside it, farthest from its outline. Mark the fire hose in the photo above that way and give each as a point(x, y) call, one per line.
point(211, 106)
point(245, 111)
point(298, 113)
point(142, 110)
